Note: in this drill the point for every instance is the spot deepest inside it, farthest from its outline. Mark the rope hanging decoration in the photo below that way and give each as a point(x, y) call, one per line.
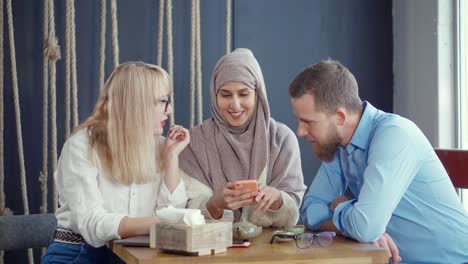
point(2, 173)
point(160, 32)
point(102, 48)
point(228, 26)
point(45, 118)
point(192, 64)
point(195, 64)
point(67, 66)
point(14, 78)
point(53, 53)
point(170, 57)
point(74, 83)
point(70, 66)
point(199, 70)
point(3, 209)
point(115, 38)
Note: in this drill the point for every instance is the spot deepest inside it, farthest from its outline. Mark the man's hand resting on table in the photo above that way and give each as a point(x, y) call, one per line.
point(385, 241)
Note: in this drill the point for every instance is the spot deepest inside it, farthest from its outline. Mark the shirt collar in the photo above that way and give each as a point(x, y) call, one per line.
point(361, 135)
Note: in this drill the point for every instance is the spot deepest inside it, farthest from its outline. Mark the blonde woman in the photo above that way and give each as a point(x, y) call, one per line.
point(116, 169)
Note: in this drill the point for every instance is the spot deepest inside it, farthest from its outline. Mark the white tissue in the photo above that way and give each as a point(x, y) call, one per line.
point(181, 215)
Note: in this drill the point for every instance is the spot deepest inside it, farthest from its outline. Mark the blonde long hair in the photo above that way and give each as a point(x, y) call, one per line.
point(121, 127)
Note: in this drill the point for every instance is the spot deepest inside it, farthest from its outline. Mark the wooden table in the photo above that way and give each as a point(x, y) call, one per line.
point(342, 250)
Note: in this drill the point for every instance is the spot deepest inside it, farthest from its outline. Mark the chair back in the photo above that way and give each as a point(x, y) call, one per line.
point(455, 162)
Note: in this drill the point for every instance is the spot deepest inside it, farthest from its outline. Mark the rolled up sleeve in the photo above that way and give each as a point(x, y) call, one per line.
point(327, 185)
point(392, 165)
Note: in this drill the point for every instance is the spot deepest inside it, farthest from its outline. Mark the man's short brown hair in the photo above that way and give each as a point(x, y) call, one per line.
point(331, 84)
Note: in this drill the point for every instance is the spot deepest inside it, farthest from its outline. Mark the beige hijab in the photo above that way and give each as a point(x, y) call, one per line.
point(219, 153)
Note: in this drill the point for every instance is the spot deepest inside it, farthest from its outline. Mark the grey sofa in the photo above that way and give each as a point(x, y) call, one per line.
point(26, 231)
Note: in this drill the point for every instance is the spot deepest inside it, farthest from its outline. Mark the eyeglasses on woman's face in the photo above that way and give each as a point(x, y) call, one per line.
point(165, 102)
point(306, 240)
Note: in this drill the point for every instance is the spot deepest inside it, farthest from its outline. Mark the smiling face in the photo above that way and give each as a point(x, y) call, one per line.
point(320, 129)
point(236, 102)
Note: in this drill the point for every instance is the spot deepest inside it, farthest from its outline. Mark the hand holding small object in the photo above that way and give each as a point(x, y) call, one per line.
point(232, 199)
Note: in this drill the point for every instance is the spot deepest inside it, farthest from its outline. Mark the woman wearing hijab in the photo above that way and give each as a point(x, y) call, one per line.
point(241, 141)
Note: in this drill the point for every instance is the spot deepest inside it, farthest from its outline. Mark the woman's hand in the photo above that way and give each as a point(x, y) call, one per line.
point(268, 198)
point(230, 199)
point(136, 226)
point(234, 199)
point(176, 140)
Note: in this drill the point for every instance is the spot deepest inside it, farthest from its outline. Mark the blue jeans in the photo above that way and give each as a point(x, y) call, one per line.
point(58, 252)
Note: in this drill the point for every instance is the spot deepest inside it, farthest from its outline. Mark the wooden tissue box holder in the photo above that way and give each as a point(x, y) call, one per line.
point(207, 239)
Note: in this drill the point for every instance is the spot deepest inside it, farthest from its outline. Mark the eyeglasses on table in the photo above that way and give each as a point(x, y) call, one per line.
point(306, 240)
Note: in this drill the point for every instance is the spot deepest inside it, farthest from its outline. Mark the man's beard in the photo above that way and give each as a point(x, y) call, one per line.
point(326, 152)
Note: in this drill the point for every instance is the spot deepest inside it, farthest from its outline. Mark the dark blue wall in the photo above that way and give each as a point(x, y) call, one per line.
point(285, 36)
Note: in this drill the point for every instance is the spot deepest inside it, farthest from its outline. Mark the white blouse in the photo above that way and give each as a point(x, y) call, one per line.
point(92, 205)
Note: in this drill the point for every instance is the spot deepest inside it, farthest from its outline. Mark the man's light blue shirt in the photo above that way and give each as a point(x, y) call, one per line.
point(400, 186)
